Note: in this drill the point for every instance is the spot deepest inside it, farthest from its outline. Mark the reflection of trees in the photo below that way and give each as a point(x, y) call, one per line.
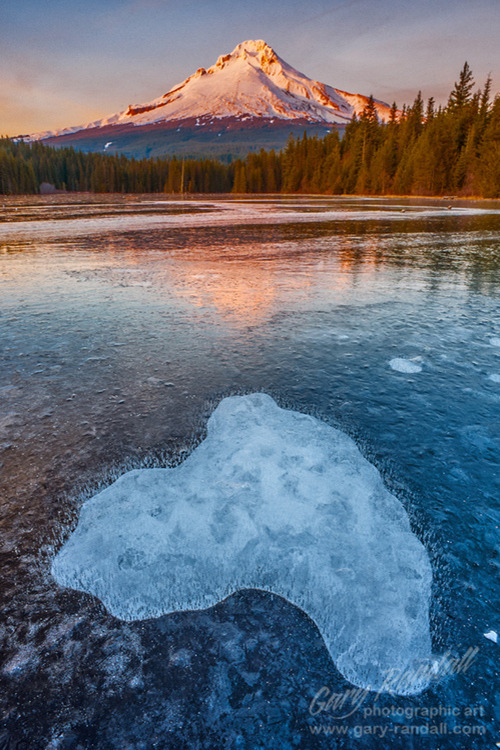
point(240, 270)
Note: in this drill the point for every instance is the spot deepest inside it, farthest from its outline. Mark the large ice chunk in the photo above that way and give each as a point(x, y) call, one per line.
point(273, 500)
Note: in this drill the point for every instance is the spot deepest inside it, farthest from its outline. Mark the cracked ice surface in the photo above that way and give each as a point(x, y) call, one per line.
point(273, 500)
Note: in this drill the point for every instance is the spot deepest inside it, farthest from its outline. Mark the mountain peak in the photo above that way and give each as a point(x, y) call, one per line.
point(256, 49)
point(253, 47)
point(252, 81)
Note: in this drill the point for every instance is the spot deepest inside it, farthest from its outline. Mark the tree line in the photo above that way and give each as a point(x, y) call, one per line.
point(421, 150)
point(25, 166)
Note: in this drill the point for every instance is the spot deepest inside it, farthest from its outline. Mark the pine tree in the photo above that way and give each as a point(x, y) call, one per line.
point(462, 91)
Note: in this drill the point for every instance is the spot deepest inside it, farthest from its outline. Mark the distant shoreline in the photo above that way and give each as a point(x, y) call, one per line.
point(79, 196)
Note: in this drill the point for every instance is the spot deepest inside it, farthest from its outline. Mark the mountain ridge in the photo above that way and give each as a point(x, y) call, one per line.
point(251, 83)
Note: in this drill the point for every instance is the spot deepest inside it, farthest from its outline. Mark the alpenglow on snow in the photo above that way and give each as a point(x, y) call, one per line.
point(274, 500)
point(250, 82)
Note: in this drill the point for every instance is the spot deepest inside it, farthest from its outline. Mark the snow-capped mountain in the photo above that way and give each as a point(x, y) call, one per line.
point(250, 85)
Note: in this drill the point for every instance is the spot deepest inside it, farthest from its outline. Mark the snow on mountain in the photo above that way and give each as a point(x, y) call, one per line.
point(252, 81)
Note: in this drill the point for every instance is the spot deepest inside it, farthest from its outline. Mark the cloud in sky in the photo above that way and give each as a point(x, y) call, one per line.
point(71, 61)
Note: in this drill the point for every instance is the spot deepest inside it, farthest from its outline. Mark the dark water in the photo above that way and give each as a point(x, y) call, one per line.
point(123, 323)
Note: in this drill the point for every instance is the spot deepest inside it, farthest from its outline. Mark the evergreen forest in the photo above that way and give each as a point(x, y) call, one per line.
point(423, 150)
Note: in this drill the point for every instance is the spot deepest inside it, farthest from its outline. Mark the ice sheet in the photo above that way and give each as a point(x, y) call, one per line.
point(274, 500)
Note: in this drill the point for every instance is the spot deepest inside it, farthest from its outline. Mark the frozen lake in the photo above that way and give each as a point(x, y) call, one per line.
point(124, 322)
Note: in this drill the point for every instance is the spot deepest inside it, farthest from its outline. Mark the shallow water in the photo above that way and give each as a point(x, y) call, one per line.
point(123, 323)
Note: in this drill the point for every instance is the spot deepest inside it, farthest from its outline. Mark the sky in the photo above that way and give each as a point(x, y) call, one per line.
point(68, 62)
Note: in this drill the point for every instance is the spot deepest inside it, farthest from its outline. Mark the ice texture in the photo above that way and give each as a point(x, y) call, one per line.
point(274, 500)
point(405, 365)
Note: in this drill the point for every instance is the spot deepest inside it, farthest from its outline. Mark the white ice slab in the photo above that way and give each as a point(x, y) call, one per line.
point(273, 500)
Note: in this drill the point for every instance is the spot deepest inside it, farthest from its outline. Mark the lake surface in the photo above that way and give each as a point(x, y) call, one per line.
point(124, 322)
